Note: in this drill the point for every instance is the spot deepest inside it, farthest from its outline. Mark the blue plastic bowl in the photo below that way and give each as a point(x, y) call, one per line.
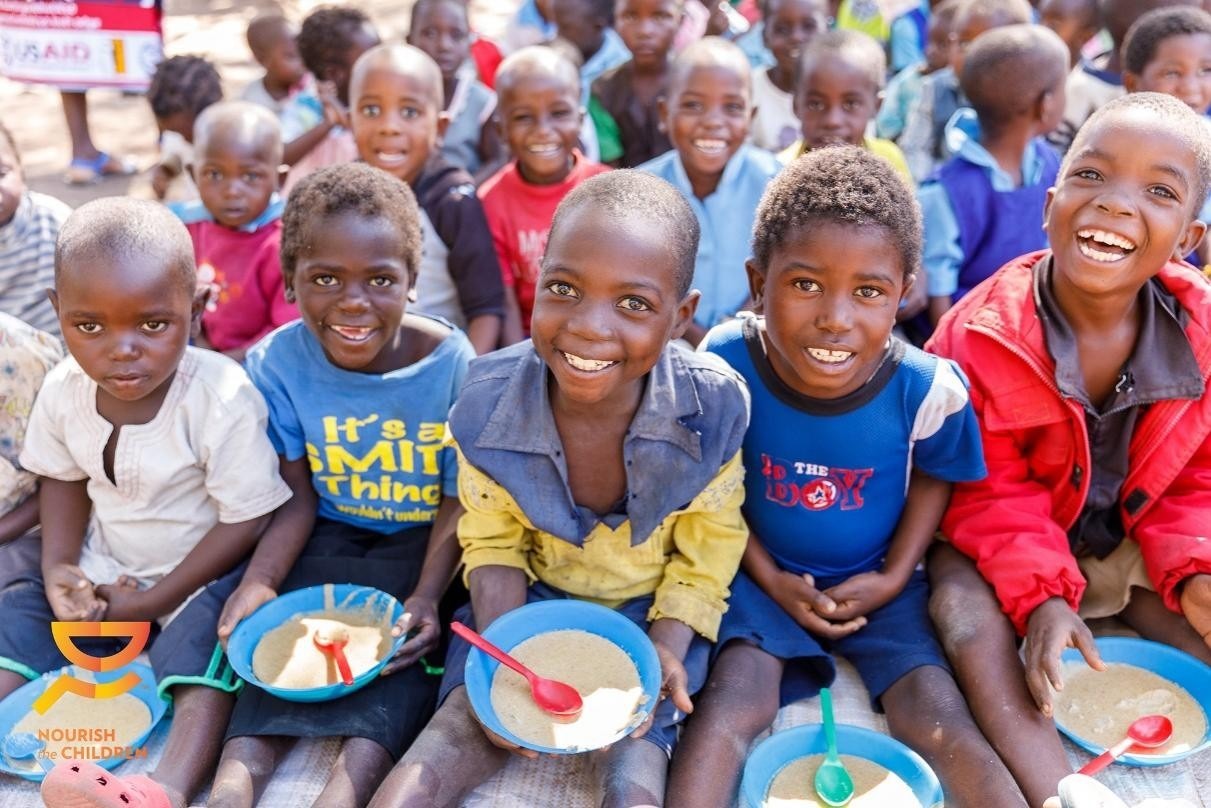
point(521, 624)
point(15, 706)
point(248, 633)
point(1163, 660)
point(779, 749)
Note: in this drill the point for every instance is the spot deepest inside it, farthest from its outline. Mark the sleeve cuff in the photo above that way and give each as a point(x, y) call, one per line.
point(678, 603)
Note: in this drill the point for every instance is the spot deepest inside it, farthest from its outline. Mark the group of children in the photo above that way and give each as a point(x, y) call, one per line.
point(285, 382)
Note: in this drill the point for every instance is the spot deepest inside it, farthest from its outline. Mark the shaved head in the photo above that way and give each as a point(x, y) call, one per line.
point(403, 59)
point(241, 122)
point(1035, 56)
point(537, 60)
point(711, 51)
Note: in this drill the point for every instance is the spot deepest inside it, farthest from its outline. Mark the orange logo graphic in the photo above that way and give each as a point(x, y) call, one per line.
point(64, 634)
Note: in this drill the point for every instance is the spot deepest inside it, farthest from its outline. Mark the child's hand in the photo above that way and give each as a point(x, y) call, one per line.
point(1196, 604)
point(862, 594)
point(161, 177)
point(333, 114)
point(125, 600)
point(419, 614)
point(245, 600)
point(674, 685)
point(1052, 627)
point(71, 595)
point(501, 743)
point(811, 608)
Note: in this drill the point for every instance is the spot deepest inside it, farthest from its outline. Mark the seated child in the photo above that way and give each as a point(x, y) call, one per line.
point(29, 225)
point(789, 26)
point(271, 38)
point(354, 378)
point(1089, 370)
point(156, 480)
point(1168, 50)
point(440, 28)
point(539, 117)
point(612, 475)
point(180, 89)
point(856, 434)
point(904, 89)
point(983, 206)
point(315, 124)
point(924, 137)
point(531, 24)
point(623, 104)
point(236, 225)
point(26, 354)
point(397, 123)
point(707, 113)
point(1074, 21)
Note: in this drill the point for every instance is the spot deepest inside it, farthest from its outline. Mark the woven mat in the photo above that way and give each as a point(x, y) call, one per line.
point(564, 782)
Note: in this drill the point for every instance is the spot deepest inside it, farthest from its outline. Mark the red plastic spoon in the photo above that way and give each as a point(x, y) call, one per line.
point(1150, 732)
point(332, 641)
point(556, 698)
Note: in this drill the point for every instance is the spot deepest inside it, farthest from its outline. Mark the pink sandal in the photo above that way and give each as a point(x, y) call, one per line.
point(81, 784)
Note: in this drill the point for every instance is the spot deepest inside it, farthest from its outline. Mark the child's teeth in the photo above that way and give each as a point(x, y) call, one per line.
point(710, 145)
point(351, 333)
point(544, 149)
point(1113, 239)
point(586, 364)
point(822, 355)
point(1098, 255)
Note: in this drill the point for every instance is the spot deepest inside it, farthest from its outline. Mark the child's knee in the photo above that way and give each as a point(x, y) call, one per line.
point(926, 708)
point(743, 690)
point(961, 605)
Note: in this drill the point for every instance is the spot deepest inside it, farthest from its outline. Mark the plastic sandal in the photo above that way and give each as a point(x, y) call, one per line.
point(1079, 791)
point(81, 784)
point(90, 172)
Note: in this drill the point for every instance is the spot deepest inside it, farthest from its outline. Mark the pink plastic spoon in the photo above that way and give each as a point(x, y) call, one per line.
point(1149, 732)
point(556, 698)
point(332, 642)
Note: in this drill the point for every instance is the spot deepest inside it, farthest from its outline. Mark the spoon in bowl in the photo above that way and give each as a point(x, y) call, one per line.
point(1149, 732)
point(559, 699)
point(833, 783)
point(332, 641)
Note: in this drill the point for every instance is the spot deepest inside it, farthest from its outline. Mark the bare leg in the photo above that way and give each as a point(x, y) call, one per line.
point(449, 758)
point(9, 682)
point(982, 647)
point(739, 702)
point(246, 767)
point(926, 711)
point(199, 720)
point(633, 773)
point(357, 772)
point(75, 109)
point(1146, 613)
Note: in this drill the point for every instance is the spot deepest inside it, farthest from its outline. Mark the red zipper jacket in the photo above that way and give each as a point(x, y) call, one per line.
point(1015, 522)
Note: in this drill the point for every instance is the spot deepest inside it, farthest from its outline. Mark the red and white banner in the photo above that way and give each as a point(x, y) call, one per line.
point(80, 45)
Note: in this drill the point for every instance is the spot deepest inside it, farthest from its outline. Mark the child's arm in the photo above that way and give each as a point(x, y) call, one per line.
point(796, 594)
point(20, 519)
point(334, 116)
point(66, 508)
point(1196, 604)
point(941, 250)
point(472, 263)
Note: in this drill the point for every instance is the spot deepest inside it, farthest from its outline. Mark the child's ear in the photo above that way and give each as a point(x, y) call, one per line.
point(443, 123)
point(1047, 205)
point(283, 170)
point(1191, 239)
point(1131, 81)
point(756, 285)
point(685, 313)
point(288, 291)
point(54, 300)
point(500, 126)
point(200, 296)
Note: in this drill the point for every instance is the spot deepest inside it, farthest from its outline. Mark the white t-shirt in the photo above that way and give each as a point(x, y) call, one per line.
point(205, 458)
point(775, 126)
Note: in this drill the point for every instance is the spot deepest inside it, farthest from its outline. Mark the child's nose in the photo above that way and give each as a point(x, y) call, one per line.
point(835, 314)
point(590, 322)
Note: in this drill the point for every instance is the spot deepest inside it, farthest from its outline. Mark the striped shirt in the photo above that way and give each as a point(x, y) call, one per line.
point(27, 260)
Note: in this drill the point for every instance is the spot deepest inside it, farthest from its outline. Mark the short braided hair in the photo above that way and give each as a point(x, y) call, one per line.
point(327, 34)
point(184, 84)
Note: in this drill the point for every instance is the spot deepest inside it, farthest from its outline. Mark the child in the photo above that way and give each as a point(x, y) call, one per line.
point(165, 446)
point(440, 28)
point(1089, 369)
point(611, 474)
point(854, 434)
point(904, 90)
point(271, 38)
point(531, 24)
point(397, 121)
point(315, 125)
point(706, 114)
point(29, 225)
point(623, 104)
point(789, 26)
point(924, 137)
point(180, 89)
point(236, 225)
point(983, 205)
point(539, 118)
point(351, 247)
point(1075, 21)
point(586, 25)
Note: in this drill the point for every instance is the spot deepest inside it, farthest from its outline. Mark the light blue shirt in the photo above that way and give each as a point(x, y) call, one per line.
point(611, 54)
point(752, 45)
point(528, 16)
point(942, 253)
point(726, 220)
point(903, 93)
point(905, 41)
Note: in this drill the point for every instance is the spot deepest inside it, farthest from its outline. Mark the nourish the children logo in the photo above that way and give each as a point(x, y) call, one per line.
point(65, 634)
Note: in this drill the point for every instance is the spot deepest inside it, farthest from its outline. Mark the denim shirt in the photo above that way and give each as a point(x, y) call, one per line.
point(690, 422)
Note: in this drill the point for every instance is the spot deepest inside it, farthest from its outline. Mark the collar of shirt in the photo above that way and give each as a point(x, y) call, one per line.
point(681, 180)
point(13, 233)
point(193, 211)
point(519, 446)
point(963, 140)
point(1091, 67)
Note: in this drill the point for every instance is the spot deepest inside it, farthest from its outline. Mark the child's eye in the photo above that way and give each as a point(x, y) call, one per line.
point(324, 280)
point(634, 304)
point(370, 110)
point(522, 117)
point(1087, 174)
point(1162, 191)
point(252, 176)
point(735, 108)
point(868, 292)
point(214, 175)
point(562, 289)
point(691, 106)
point(155, 326)
point(813, 105)
point(410, 112)
point(88, 328)
point(382, 281)
point(805, 285)
point(850, 105)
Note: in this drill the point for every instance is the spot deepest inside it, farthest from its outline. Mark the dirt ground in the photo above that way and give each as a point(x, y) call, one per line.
point(123, 124)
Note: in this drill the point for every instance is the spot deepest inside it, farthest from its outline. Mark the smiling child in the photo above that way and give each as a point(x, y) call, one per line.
point(789, 26)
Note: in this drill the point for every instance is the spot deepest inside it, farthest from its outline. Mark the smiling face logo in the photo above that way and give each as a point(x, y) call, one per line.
point(65, 634)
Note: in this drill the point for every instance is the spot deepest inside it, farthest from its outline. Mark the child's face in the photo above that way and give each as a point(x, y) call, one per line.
point(12, 181)
point(396, 121)
point(937, 46)
point(647, 28)
point(606, 305)
point(442, 32)
point(835, 100)
point(283, 64)
point(1123, 207)
point(341, 70)
point(576, 22)
point(540, 119)
point(1181, 68)
point(830, 296)
point(707, 116)
point(129, 331)
point(352, 290)
point(235, 178)
point(1072, 20)
point(789, 25)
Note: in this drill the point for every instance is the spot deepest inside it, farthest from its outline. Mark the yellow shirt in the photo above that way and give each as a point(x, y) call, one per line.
point(687, 562)
point(875, 145)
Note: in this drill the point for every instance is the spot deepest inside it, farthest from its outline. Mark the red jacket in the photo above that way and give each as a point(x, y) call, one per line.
point(1015, 522)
